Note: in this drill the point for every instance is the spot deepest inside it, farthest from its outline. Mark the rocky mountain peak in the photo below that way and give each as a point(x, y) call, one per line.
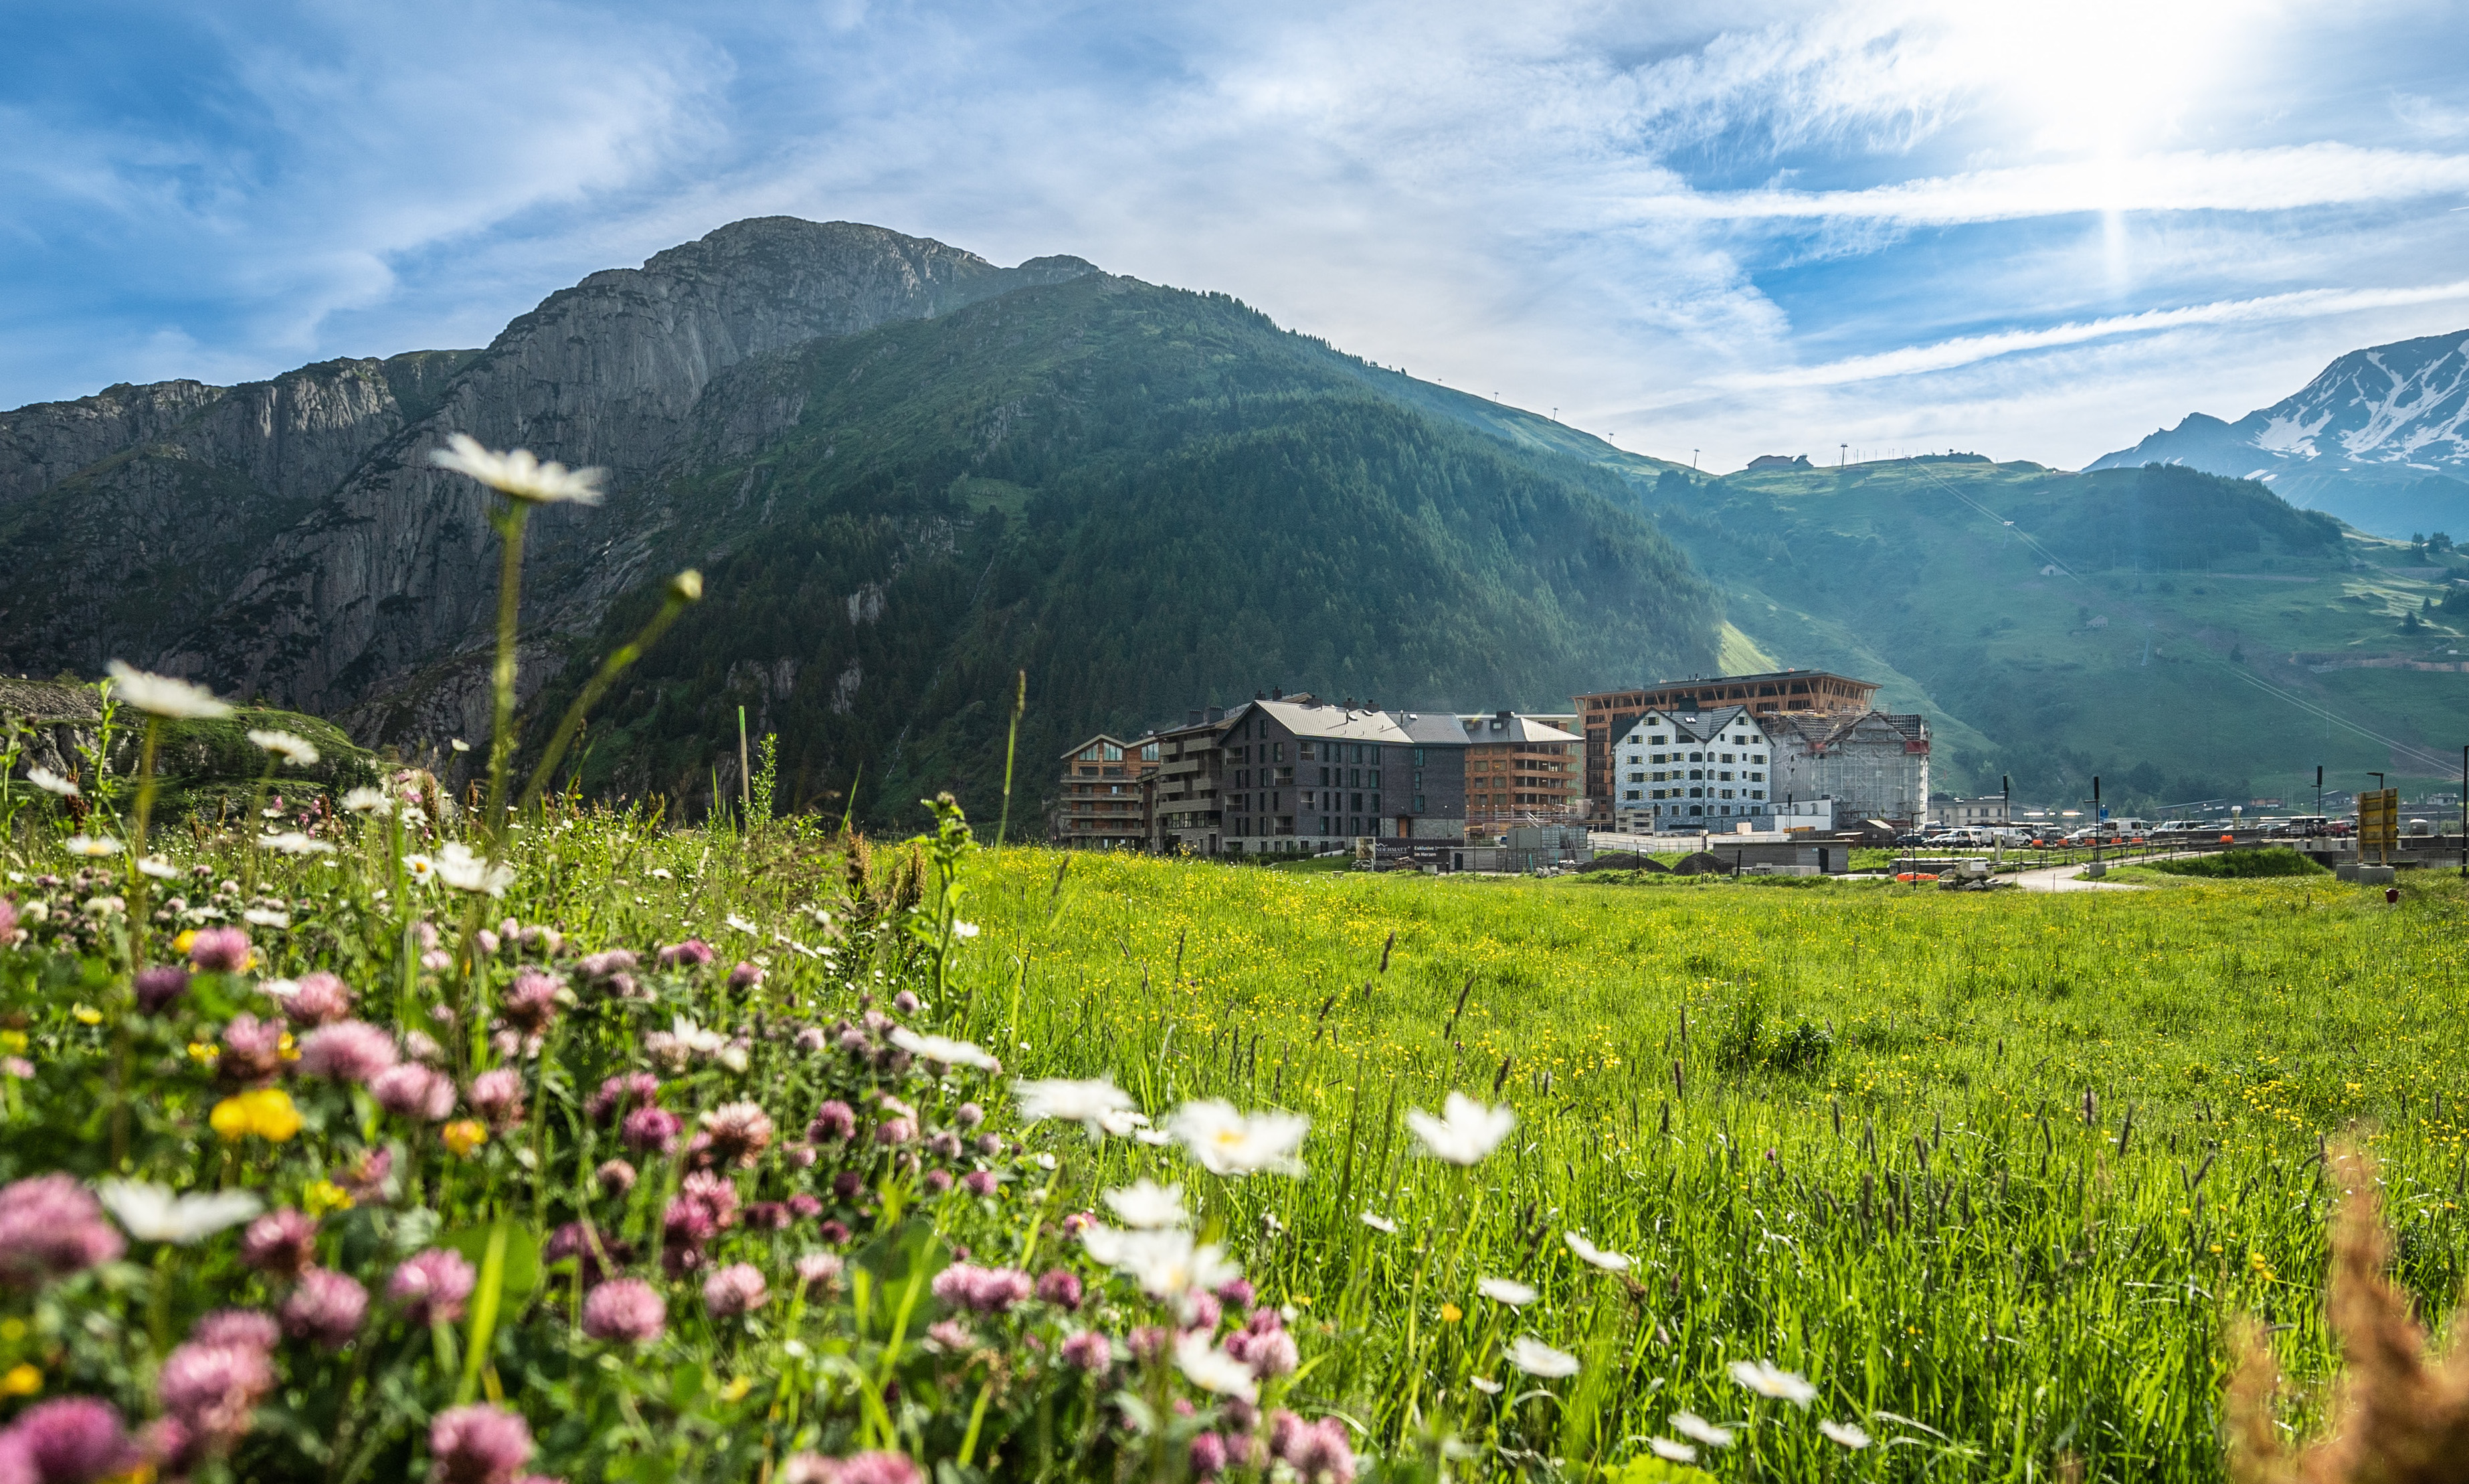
point(355, 571)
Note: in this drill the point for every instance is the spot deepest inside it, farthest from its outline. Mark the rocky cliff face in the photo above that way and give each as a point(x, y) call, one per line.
point(290, 539)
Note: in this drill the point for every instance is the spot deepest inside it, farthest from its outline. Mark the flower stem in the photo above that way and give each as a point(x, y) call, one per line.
point(594, 688)
point(501, 678)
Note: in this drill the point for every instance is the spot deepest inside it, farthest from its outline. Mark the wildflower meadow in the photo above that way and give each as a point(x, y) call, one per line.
point(383, 1136)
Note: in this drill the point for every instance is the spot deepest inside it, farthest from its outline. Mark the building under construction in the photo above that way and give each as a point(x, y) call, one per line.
point(1875, 766)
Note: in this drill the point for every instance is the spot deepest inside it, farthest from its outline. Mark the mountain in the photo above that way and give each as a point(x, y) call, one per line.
point(908, 472)
point(2380, 439)
point(2180, 635)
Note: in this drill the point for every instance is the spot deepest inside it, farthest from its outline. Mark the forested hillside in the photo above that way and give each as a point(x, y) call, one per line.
point(1147, 499)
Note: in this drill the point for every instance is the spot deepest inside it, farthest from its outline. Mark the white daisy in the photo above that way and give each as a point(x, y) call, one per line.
point(458, 868)
point(1506, 1290)
point(51, 782)
point(161, 695)
point(1168, 1263)
point(1379, 1223)
point(964, 930)
point(1464, 1132)
point(366, 801)
point(1768, 1379)
point(1537, 1359)
point(519, 476)
point(1672, 1452)
point(943, 1049)
point(1849, 1434)
point(1689, 1425)
point(1089, 1101)
point(1212, 1369)
point(153, 1213)
point(91, 846)
point(1608, 1262)
point(1489, 1388)
point(292, 842)
point(1146, 1204)
point(264, 916)
point(158, 868)
point(420, 867)
point(1231, 1143)
point(299, 751)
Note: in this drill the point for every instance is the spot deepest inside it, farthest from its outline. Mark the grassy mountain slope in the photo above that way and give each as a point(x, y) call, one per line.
point(2176, 633)
point(1147, 499)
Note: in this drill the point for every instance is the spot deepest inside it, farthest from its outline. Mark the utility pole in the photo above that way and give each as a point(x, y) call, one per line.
point(1842, 455)
point(2318, 786)
point(1693, 461)
point(2097, 824)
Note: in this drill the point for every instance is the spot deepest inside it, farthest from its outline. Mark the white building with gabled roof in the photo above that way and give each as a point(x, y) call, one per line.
point(1677, 772)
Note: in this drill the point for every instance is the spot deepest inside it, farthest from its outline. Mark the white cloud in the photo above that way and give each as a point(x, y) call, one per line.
point(1702, 224)
point(1965, 350)
point(2276, 179)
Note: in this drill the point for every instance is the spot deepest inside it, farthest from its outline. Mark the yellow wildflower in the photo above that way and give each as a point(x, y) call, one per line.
point(13, 1042)
point(1451, 1313)
point(736, 1389)
point(265, 1112)
point(204, 1052)
point(22, 1380)
point(286, 1049)
point(320, 1197)
point(181, 944)
point(465, 1135)
point(86, 1014)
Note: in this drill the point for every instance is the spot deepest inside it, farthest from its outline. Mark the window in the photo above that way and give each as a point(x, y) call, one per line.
point(1419, 758)
point(1633, 794)
point(1148, 752)
point(1696, 757)
point(1419, 803)
point(1114, 754)
point(1090, 756)
point(1276, 752)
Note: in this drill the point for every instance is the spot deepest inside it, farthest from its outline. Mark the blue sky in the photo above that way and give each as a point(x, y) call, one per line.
point(2037, 230)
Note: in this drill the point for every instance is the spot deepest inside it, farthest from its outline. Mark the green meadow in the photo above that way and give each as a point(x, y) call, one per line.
point(1991, 1170)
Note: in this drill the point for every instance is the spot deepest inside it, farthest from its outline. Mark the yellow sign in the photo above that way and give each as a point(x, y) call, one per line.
point(2378, 822)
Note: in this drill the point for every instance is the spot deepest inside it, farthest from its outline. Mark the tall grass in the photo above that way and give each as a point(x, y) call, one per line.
point(2034, 1152)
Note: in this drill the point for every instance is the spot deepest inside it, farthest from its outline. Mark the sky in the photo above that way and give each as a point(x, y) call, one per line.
point(1705, 231)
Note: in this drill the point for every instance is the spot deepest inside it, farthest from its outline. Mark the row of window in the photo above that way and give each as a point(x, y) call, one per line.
point(1695, 774)
point(1694, 792)
point(1737, 739)
point(1639, 760)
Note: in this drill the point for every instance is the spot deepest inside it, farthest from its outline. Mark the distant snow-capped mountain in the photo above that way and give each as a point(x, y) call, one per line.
point(2381, 439)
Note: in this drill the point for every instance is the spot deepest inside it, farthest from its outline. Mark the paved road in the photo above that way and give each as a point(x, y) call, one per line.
point(2067, 879)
